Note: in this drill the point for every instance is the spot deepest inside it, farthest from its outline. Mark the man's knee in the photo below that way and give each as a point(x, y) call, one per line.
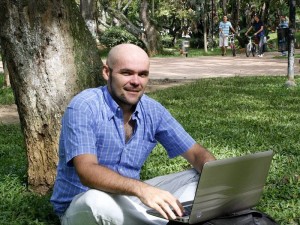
point(100, 202)
point(97, 204)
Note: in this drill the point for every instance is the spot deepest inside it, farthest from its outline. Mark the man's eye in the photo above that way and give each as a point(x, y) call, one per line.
point(126, 73)
point(143, 75)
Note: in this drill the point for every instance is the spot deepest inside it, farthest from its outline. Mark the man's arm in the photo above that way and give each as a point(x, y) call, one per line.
point(197, 155)
point(250, 28)
point(98, 177)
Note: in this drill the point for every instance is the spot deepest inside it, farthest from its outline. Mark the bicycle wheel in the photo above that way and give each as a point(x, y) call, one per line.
point(253, 50)
point(248, 50)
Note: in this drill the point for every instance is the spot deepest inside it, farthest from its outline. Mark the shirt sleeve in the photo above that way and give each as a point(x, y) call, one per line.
point(79, 136)
point(173, 136)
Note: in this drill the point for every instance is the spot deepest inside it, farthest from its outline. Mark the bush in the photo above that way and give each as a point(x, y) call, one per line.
point(117, 35)
point(196, 42)
point(167, 41)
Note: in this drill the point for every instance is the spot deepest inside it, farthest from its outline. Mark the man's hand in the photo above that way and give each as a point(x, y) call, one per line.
point(99, 177)
point(162, 201)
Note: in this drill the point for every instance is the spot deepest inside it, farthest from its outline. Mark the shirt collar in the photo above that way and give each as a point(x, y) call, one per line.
point(115, 108)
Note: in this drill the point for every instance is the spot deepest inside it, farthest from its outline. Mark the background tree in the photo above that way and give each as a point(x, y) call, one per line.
point(137, 23)
point(6, 82)
point(150, 36)
point(88, 10)
point(51, 56)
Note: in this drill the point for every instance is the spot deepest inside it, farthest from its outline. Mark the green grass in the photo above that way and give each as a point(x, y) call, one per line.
point(18, 205)
point(235, 116)
point(6, 94)
point(231, 117)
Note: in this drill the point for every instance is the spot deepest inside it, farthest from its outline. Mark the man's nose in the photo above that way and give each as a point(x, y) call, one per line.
point(135, 79)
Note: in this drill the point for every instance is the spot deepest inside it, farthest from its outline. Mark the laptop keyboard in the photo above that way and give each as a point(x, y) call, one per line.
point(187, 210)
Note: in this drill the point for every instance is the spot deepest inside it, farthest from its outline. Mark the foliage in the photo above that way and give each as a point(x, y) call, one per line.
point(167, 41)
point(188, 16)
point(117, 35)
point(232, 116)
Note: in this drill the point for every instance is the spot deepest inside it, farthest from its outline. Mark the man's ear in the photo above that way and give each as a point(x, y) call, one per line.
point(105, 72)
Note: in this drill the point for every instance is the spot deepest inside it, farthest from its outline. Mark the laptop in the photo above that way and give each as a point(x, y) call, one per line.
point(227, 186)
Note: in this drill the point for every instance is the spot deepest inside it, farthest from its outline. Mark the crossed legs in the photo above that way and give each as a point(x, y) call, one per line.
point(101, 208)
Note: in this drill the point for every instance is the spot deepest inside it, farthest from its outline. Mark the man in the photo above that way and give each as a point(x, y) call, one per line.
point(107, 134)
point(224, 28)
point(258, 27)
point(284, 23)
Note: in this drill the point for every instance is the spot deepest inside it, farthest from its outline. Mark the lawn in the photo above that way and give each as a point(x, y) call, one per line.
point(231, 117)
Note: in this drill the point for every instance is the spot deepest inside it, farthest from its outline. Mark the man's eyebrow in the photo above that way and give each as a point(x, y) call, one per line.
point(144, 72)
point(132, 71)
point(126, 70)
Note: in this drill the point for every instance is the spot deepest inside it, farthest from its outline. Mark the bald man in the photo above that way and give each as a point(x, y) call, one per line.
point(107, 134)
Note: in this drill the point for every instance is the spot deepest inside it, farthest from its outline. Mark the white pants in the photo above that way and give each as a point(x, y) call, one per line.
point(101, 208)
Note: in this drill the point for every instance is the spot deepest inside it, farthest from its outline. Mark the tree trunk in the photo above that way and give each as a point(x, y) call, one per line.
point(224, 7)
point(129, 26)
point(51, 56)
point(151, 36)
point(88, 10)
point(236, 15)
point(291, 45)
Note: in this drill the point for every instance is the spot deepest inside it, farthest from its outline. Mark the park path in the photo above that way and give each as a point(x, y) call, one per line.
point(218, 66)
point(166, 72)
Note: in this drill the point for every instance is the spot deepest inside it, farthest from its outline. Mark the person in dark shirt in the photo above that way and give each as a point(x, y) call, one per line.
point(258, 27)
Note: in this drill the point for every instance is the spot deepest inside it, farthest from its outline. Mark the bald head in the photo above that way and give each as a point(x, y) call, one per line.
point(123, 52)
point(127, 74)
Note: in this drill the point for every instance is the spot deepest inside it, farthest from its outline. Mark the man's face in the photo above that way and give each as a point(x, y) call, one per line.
point(127, 79)
point(225, 18)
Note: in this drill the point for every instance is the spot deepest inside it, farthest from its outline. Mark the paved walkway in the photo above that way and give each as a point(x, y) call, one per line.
point(218, 66)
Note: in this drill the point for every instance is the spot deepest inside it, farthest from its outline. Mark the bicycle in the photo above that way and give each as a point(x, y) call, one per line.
point(232, 44)
point(250, 47)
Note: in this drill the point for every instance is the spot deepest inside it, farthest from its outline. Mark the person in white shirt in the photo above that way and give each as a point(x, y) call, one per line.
point(224, 28)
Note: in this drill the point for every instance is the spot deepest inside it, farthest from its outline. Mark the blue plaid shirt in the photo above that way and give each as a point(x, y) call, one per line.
point(93, 124)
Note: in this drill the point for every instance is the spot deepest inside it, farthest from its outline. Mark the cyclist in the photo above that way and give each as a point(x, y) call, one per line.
point(224, 28)
point(258, 27)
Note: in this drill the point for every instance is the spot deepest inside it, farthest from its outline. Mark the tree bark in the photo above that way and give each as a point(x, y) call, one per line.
point(129, 26)
point(51, 56)
point(88, 10)
point(291, 45)
point(151, 36)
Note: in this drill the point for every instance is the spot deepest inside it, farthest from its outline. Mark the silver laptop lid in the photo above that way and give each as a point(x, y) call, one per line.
point(230, 185)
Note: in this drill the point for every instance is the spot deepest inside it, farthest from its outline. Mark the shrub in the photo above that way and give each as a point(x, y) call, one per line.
point(167, 41)
point(196, 42)
point(117, 35)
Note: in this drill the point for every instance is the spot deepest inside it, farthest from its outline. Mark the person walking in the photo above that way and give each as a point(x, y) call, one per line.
point(258, 27)
point(224, 28)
